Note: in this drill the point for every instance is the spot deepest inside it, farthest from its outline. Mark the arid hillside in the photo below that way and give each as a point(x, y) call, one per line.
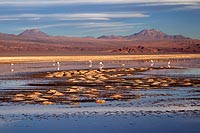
point(36, 42)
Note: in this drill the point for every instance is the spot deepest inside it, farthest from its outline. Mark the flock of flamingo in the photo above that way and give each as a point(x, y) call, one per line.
point(101, 65)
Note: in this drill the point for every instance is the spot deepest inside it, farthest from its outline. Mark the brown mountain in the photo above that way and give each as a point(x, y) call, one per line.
point(4, 36)
point(155, 35)
point(147, 35)
point(33, 33)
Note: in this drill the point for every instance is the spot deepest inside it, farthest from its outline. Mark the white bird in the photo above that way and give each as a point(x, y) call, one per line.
point(58, 68)
point(90, 65)
point(54, 63)
point(123, 65)
point(152, 63)
point(58, 65)
point(12, 64)
point(101, 65)
point(168, 64)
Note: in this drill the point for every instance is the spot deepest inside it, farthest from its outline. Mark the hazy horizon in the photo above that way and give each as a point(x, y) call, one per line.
point(104, 17)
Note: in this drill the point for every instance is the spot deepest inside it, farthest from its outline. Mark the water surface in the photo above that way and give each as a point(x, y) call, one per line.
point(160, 110)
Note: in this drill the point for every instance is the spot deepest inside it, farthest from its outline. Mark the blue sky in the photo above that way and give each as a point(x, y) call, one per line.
point(100, 17)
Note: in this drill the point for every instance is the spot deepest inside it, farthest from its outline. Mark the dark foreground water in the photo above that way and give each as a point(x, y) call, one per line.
point(163, 110)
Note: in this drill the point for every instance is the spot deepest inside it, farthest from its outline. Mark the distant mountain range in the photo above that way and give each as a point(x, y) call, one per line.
point(147, 35)
point(144, 35)
point(36, 42)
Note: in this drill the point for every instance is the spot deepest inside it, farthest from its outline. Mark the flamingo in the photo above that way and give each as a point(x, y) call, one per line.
point(12, 64)
point(168, 64)
point(54, 63)
point(101, 65)
point(152, 63)
point(123, 65)
point(58, 63)
point(90, 65)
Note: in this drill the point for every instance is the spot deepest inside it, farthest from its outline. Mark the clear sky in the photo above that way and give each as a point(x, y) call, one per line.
point(100, 17)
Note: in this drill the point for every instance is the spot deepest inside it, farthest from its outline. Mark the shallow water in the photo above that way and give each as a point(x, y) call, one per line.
point(172, 109)
point(119, 122)
point(186, 72)
point(8, 69)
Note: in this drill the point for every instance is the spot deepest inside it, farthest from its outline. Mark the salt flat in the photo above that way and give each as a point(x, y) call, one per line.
point(18, 59)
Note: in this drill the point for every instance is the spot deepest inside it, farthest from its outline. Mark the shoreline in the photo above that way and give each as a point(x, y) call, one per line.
point(29, 59)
